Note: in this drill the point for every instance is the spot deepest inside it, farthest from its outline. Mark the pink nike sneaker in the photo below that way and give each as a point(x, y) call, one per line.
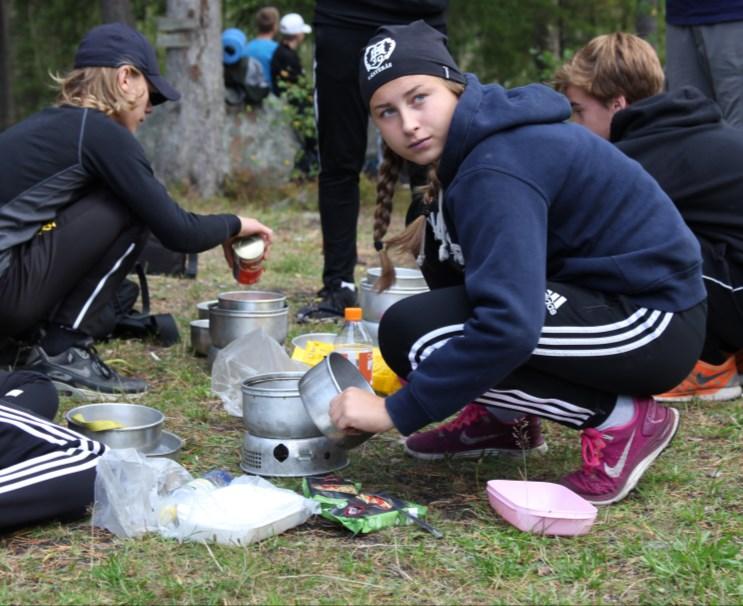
point(475, 433)
point(615, 459)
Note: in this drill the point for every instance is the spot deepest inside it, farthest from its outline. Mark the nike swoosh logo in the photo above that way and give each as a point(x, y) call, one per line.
point(470, 441)
point(704, 379)
point(616, 470)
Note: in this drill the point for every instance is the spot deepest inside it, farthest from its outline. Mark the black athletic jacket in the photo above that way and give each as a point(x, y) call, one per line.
point(681, 139)
point(59, 154)
point(373, 13)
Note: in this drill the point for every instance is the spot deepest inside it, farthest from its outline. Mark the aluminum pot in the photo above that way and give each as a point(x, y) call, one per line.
point(200, 340)
point(322, 383)
point(226, 325)
point(142, 425)
point(203, 309)
point(407, 282)
point(251, 300)
point(272, 407)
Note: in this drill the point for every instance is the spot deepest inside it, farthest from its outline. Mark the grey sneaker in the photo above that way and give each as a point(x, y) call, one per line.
point(80, 373)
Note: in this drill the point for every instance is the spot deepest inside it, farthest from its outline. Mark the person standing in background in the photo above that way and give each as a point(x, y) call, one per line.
point(342, 29)
point(263, 46)
point(286, 71)
point(704, 49)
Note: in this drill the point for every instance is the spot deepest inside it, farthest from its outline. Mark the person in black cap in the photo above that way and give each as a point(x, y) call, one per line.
point(580, 288)
point(77, 199)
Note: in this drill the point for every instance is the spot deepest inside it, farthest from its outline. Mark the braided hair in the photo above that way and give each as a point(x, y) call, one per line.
point(410, 239)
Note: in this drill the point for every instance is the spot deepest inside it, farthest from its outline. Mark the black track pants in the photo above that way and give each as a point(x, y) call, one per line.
point(46, 471)
point(593, 347)
point(66, 275)
point(342, 122)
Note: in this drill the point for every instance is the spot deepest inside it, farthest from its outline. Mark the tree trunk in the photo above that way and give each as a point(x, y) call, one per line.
point(6, 62)
point(117, 11)
point(190, 131)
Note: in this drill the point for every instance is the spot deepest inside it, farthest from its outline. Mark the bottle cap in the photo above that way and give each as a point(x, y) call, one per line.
point(352, 314)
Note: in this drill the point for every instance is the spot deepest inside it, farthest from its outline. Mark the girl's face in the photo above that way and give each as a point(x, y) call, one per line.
point(413, 113)
point(135, 88)
point(588, 111)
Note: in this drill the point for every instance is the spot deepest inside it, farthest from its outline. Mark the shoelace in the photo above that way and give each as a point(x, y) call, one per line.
point(592, 445)
point(469, 415)
point(88, 351)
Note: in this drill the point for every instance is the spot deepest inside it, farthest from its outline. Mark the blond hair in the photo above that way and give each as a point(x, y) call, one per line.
point(611, 66)
point(95, 88)
point(410, 240)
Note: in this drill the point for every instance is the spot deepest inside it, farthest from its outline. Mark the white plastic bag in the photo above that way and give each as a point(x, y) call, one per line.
point(247, 356)
point(129, 488)
point(247, 510)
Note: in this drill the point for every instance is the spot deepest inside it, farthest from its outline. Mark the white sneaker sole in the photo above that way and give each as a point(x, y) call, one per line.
point(476, 454)
point(642, 466)
point(721, 395)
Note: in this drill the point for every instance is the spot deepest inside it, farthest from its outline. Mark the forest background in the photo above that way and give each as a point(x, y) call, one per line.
point(509, 41)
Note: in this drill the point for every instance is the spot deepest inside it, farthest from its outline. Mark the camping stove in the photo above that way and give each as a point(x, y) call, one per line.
point(291, 457)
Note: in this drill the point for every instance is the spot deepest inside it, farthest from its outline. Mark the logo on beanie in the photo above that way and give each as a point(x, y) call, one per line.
point(376, 55)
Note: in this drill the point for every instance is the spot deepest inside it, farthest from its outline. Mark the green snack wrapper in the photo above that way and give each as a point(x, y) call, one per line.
point(343, 502)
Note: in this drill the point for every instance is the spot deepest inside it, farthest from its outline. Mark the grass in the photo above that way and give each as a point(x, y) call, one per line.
point(675, 540)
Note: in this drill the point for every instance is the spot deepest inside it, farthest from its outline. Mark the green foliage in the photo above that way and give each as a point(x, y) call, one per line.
point(509, 41)
point(300, 115)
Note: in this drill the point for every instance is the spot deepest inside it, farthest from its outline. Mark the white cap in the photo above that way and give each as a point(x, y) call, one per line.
point(292, 24)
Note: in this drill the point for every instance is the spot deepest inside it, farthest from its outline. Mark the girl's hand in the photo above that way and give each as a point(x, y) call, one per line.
point(357, 409)
point(248, 227)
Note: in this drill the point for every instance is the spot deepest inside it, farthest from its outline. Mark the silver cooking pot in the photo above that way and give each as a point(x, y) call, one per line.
point(272, 407)
point(226, 325)
point(407, 282)
point(251, 300)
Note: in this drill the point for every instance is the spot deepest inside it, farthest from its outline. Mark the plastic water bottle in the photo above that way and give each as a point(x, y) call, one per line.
point(206, 484)
point(354, 342)
point(218, 477)
point(210, 481)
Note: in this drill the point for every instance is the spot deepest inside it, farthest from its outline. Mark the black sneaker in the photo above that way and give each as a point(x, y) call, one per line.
point(80, 373)
point(331, 307)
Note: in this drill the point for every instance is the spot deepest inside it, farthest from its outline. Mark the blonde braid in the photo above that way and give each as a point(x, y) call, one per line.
point(389, 172)
point(410, 239)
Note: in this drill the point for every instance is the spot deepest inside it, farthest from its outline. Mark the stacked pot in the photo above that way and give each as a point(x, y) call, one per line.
point(281, 438)
point(236, 313)
point(407, 282)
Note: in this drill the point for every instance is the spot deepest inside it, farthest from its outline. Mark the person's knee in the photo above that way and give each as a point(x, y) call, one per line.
point(31, 390)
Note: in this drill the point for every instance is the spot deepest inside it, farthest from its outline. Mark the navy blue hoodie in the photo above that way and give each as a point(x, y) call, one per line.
point(527, 198)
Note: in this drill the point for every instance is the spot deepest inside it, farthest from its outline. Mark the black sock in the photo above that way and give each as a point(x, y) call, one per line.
point(58, 338)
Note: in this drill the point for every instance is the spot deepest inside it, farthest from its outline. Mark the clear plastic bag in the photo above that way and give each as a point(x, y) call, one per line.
point(135, 494)
point(129, 488)
point(247, 356)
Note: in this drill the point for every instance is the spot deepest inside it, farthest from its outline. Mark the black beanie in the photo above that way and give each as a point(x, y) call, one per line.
point(405, 50)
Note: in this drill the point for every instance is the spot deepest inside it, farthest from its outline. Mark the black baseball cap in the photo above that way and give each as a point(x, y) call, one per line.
point(117, 44)
point(404, 50)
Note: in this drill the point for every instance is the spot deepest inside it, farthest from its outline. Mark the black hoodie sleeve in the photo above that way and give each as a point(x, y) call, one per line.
point(111, 153)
